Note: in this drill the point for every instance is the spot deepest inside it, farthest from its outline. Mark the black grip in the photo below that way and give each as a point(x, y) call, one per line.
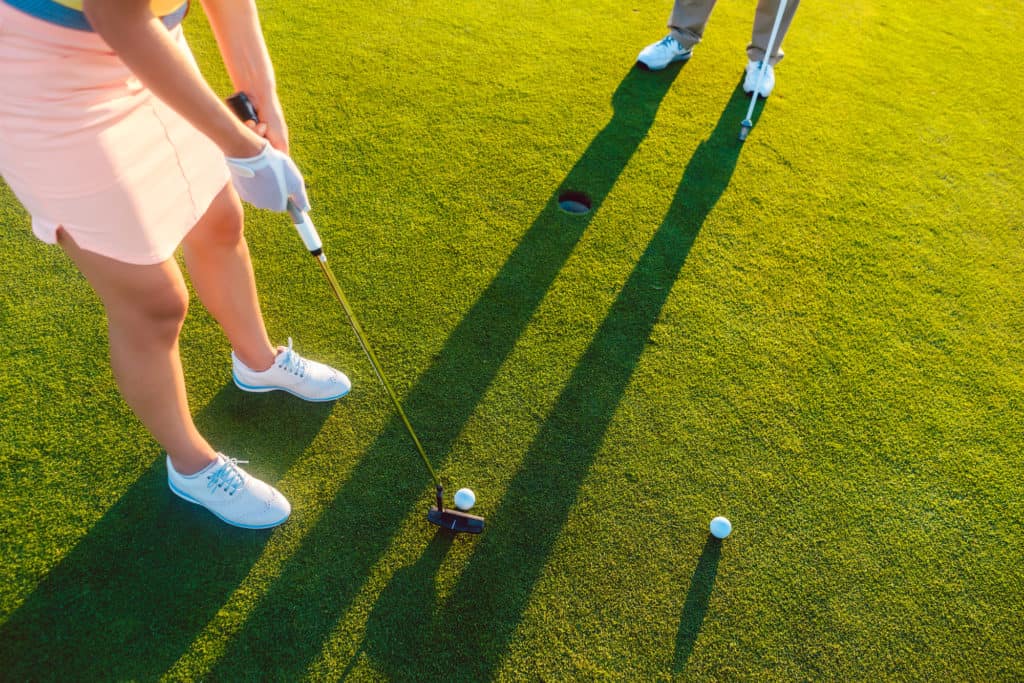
point(242, 106)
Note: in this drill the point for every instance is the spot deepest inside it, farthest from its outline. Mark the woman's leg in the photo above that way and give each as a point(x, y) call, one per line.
point(217, 258)
point(145, 308)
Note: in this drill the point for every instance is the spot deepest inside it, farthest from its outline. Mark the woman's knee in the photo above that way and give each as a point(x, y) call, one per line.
point(223, 223)
point(157, 313)
point(139, 299)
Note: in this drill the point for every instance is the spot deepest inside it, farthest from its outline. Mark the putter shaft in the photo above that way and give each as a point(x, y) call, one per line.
point(243, 108)
point(321, 259)
point(745, 129)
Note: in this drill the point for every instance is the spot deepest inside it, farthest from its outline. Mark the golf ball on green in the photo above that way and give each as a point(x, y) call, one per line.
point(465, 499)
point(720, 527)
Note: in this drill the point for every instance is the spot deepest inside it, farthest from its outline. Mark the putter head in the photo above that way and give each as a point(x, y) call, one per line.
point(455, 521)
point(745, 129)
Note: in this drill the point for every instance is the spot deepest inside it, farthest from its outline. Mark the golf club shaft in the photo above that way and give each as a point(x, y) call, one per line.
point(766, 59)
point(321, 259)
point(243, 108)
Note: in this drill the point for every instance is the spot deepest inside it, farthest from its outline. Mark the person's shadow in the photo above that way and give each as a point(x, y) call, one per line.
point(150, 574)
point(388, 482)
point(493, 590)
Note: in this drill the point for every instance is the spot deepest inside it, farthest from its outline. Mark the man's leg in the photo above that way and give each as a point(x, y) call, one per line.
point(764, 19)
point(688, 19)
point(686, 26)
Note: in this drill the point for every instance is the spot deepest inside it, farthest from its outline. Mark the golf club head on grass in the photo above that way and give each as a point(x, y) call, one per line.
point(455, 521)
point(745, 129)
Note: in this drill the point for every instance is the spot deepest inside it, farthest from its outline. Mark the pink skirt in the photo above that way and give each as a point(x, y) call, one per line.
point(86, 147)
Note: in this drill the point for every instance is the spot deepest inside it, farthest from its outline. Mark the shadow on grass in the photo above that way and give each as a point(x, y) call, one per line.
point(696, 606)
point(402, 628)
point(130, 597)
point(318, 584)
point(493, 590)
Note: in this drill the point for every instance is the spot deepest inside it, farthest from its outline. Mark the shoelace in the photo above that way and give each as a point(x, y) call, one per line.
point(669, 41)
point(291, 361)
point(227, 477)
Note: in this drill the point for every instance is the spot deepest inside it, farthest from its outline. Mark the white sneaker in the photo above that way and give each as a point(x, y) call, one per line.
point(227, 491)
point(750, 81)
point(292, 373)
point(657, 56)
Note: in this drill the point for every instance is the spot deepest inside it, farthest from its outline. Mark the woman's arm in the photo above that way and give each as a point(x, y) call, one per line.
point(236, 26)
point(144, 45)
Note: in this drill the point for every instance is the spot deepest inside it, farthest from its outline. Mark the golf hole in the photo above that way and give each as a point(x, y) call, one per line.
point(575, 203)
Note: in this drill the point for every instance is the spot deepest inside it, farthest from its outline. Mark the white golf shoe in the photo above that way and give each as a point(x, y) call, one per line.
point(657, 56)
point(233, 495)
point(291, 372)
point(750, 80)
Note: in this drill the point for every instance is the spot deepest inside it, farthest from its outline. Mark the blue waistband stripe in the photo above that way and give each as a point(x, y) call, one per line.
point(56, 13)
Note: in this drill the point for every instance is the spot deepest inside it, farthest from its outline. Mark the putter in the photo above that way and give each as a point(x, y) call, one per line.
point(748, 122)
point(455, 521)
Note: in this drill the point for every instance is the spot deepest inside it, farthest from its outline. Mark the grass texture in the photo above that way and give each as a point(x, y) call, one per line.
point(817, 334)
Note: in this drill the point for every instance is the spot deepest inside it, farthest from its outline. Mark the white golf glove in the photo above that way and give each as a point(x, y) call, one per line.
point(268, 179)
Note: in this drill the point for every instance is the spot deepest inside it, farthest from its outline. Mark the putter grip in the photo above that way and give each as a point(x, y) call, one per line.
point(307, 231)
point(243, 108)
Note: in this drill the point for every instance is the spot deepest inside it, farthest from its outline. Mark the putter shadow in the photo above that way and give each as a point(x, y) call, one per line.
point(697, 599)
point(388, 482)
point(512, 553)
point(401, 628)
point(131, 596)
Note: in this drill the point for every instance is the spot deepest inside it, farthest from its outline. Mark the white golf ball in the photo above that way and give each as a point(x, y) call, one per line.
point(465, 499)
point(720, 527)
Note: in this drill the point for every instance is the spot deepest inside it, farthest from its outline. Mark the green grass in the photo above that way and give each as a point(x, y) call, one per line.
point(818, 334)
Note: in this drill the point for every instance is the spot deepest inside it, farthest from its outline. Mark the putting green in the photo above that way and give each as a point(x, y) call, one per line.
point(817, 334)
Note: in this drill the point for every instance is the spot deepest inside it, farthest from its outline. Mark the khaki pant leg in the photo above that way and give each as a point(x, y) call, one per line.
point(764, 19)
point(689, 17)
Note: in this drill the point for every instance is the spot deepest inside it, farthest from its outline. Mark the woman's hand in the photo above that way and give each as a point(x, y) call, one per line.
point(268, 179)
point(236, 26)
point(272, 125)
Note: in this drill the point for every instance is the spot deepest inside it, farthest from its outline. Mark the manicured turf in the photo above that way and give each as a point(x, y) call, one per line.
point(818, 335)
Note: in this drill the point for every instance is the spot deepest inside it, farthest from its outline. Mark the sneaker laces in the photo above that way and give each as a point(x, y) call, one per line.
point(292, 362)
point(227, 477)
point(672, 43)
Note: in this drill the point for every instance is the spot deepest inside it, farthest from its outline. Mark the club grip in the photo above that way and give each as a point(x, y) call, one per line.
point(307, 231)
point(243, 108)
